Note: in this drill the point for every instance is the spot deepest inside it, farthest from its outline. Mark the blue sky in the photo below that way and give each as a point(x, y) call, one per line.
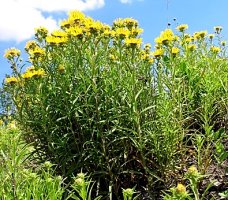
point(20, 17)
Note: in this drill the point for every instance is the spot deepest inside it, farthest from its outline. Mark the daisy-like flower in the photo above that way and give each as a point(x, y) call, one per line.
point(30, 45)
point(182, 27)
point(200, 35)
point(37, 51)
point(65, 24)
point(223, 43)
point(165, 37)
point(218, 29)
point(12, 53)
point(118, 23)
point(75, 31)
point(61, 69)
point(175, 50)
point(41, 33)
point(133, 42)
point(11, 80)
point(27, 75)
point(181, 189)
point(56, 40)
point(130, 22)
point(76, 16)
point(59, 33)
point(211, 36)
point(192, 170)
point(191, 47)
point(158, 52)
point(39, 73)
point(122, 33)
point(215, 49)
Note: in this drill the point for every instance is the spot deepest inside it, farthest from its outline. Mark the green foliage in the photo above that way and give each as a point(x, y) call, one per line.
point(19, 179)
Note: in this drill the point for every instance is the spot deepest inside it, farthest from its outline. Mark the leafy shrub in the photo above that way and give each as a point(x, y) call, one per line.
point(95, 100)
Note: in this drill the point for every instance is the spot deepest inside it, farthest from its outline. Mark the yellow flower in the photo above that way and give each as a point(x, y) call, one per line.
point(118, 23)
point(175, 50)
point(200, 35)
point(211, 36)
point(37, 51)
point(218, 29)
point(11, 80)
point(165, 37)
point(65, 24)
point(192, 170)
point(59, 33)
point(30, 45)
point(158, 52)
point(147, 47)
point(27, 75)
point(223, 43)
point(41, 32)
point(122, 33)
point(108, 33)
point(134, 32)
point(1, 122)
point(94, 27)
point(12, 125)
point(30, 69)
point(56, 40)
point(182, 27)
point(215, 49)
point(76, 16)
point(130, 22)
point(191, 47)
point(112, 57)
point(181, 189)
point(188, 40)
point(39, 73)
point(75, 31)
point(12, 53)
point(133, 42)
point(61, 68)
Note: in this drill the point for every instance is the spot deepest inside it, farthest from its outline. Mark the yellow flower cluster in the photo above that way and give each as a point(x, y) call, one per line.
point(191, 47)
point(133, 42)
point(215, 49)
point(158, 53)
point(41, 33)
point(181, 189)
point(175, 51)
point(11, 80)
point(182, 27)
point(127, 22)
point(31, 72)
point(192, 170)
point(31, 45)
point(165, 38)
point(200, 35)
point(12, 53)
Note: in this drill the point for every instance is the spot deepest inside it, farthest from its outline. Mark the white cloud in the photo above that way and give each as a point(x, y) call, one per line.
point(20, 17)
point(125, 1)
point(128, 1)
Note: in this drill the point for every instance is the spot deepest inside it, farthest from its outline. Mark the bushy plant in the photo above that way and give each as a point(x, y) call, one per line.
point(95, 100)
point(21, 178)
